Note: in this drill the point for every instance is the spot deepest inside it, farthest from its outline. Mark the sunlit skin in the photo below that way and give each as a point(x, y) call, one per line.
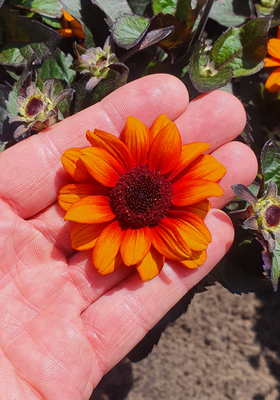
point(62, 324)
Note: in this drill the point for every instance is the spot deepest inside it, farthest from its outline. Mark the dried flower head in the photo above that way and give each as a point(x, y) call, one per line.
point(37, 110)
point(141, 198)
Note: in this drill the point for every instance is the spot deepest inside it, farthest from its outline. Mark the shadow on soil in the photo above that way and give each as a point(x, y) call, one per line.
point(267, 330)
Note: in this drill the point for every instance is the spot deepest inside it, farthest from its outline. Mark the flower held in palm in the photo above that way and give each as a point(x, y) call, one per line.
point(141, 198)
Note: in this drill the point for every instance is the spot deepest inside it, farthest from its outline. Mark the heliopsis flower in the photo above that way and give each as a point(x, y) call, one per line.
point(273, 47)
point(140, 199)
point(71, 27)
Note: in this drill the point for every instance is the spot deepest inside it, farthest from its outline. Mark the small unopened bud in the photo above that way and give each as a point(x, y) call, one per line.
point(208, 69)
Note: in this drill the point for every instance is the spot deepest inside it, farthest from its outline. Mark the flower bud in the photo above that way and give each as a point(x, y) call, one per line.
point(268, 3)
point(96, 63)
point(37, 110)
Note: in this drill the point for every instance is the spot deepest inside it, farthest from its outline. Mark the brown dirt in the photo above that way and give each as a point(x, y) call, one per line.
point(225, 347)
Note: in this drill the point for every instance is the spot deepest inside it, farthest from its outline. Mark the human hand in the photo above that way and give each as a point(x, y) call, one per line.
point(62, 325)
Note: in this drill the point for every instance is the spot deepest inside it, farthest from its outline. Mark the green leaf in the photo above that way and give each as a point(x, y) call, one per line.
point(50, 8)
point(210, 82)
point(178, 38)
point(73, 7)
point(85, 99)
point(243, 49)
point(24, 38)
point(57, 66)
point(273, 12)
point(2, 144)
point(113, 9)
point(23, 81)
point(138, 6)
point(128, 30)
point(164, 6)
point(231, 12)
point(53, 22)
point(150, 38)
point(275, 271)
point(270, 163)
point(4, 94)
point(185, 13)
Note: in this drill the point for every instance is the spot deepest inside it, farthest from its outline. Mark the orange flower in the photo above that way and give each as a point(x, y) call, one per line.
point(141, 198)
point(71, 27)
point(273, 47)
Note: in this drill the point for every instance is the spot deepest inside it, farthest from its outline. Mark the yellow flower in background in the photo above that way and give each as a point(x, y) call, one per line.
point(141, 198)
point(273, 47)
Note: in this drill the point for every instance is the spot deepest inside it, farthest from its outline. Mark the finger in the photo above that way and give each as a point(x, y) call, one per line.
point(242, 167)
point(41, 175)
point(50, 222)
point(215, 118)
point(116, 322)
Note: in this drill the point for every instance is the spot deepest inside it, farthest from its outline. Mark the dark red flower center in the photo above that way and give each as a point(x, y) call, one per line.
point(141, 198)
point(34, 106)
point(272, 216)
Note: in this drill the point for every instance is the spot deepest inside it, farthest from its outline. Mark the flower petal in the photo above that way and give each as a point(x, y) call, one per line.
point(67, 16)
point(191, 228)
point(112, 144)
point(151, 265)
point(102, 166)
point(189, 153)
point(106, 257)
point(168, 242)
point(136, 136)
point(187, 192)
point(272, 62)
point(197, 259)
point(135, 245)
point(200, 209)
point(73, 192)
point(66, 33)
point(158, 125)
point(165, 150)
point(84, 236)
point(273, 47)
point(273, 82)
point(90, 210)
point(206, 167)
point(71, 160)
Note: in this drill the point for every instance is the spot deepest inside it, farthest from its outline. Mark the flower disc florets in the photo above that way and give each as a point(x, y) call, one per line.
point(34, 107)
point(141, 198)
point(268, 214)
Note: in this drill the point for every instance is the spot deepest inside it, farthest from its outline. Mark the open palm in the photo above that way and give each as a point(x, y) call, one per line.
point(62, 325)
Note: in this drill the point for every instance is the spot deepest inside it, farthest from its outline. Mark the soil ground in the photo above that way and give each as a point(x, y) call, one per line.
point(225, 347)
